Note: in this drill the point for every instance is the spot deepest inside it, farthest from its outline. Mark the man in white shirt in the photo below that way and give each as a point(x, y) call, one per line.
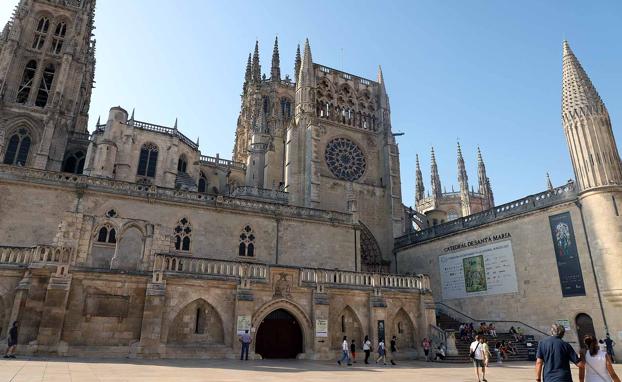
point(476, 352)
point(345, 349)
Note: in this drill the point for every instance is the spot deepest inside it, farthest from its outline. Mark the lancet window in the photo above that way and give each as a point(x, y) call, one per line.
point(183, 233)
point(23, 91)
point(17, 148)
point(247, 242)
point(148, 160)
point(41, 33)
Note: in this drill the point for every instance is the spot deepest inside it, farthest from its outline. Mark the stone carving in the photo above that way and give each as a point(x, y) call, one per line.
point(282, 287)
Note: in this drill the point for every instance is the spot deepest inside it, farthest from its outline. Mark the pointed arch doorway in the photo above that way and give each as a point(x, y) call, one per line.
point(585, 327)
point(279, 336)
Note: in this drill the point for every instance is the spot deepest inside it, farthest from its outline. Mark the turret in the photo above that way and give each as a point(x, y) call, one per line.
point(463, 181)
point(259, 141)
point(275, 71)
point(419, 188)
point(593, 150)
point(305, 86)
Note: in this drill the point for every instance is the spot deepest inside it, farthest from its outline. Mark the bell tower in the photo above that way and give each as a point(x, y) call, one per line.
point(47, 65)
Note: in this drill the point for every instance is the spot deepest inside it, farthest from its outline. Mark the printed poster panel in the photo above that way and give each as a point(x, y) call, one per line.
point(321, 328)
point(480, 271)
point(567, 256)
point(244, 324)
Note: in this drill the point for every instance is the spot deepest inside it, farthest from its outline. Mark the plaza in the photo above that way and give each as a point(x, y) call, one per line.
point(105, 370)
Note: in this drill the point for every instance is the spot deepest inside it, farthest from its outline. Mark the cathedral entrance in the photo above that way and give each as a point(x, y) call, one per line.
point(585, 326)
point(279, 336)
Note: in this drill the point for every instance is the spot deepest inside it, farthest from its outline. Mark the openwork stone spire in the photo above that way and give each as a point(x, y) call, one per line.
point(437, 191)
point(419, 187)
point(298, 62)
point(587, 126)
point(463, 181)
point(484, 182)
point(275, 72)
point(255, 66)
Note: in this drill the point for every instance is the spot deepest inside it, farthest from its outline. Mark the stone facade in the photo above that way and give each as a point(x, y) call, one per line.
point(130, 242)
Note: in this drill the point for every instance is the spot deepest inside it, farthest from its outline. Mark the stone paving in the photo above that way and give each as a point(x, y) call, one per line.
point(106, 370)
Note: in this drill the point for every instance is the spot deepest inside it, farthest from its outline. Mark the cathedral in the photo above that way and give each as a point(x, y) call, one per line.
point(127, 241)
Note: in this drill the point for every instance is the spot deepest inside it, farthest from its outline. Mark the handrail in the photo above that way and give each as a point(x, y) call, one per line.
point(490, 320)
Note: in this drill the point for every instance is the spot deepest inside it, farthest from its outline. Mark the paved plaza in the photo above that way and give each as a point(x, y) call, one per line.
point(106, 370)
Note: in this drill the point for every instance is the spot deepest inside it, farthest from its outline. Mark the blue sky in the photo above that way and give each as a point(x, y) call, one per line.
point(485, 72)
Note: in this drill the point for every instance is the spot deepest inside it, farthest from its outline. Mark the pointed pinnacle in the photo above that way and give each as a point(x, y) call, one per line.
point(380, 77)
point(175, 127)
point(578, 92)
point(132, 117)
point(479, 155)
point(98, 120)
point(459, 150)
point(417, 160)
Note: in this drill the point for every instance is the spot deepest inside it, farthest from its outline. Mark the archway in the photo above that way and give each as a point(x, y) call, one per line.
point(585, 326)
point(279, 336)
point(198, 324)
point(404, 329)
point(346, 323)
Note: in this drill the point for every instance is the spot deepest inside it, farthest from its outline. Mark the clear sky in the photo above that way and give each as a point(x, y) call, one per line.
point(485, 72)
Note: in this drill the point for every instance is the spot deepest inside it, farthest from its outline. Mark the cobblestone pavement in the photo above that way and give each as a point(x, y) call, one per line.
point(106, 370)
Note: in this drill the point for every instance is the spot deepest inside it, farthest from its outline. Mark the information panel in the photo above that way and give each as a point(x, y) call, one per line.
point(481, 271)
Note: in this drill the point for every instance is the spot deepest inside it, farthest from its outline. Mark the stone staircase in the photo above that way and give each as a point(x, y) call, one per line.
point(447, 322)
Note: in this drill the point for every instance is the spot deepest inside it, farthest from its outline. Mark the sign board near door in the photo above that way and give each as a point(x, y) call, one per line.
point(321, 328)
point(244, 324)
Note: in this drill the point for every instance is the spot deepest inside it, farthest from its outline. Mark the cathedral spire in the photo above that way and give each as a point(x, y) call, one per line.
point(592, 146)
point(436, 179)
point(255, 66)
point(298, 62)
point(306, 83)
point(549, 184)
point(484, 182)
point(248, 74)
point(382, 94)
point(419, 187)
point(275, 72)
point(463, 181)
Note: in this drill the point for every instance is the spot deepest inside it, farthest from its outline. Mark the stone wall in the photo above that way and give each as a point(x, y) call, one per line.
point(539, 300)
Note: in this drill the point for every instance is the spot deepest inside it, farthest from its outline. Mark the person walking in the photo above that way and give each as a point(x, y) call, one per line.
point(393, 349)
point(598, 366)
point(476, 352)
point(609, 343)
point(353, 351)
point(382, 352)
point(245, 339)
point(486, 350)
point(12, 341)
point(426, 348)
point(554, 357)
point(345, 348)
point(367, 349)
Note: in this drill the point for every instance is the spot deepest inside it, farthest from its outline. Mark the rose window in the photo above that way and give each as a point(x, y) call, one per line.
point(345, 159)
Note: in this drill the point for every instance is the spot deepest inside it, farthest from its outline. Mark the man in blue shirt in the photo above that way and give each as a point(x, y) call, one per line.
point(554, 357)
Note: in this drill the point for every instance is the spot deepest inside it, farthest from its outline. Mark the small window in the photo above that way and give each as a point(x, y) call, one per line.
point(45, 86)
point(24, 88)
point(17, 148)
point(343, 324)
point(202, 185)
point(199, 323)
point(107, 234)
point(74, 163)
point(41, 33)
point(182, 164)
point(183, 232)
point(247, 242)
point(148, 160)
point(59, 38)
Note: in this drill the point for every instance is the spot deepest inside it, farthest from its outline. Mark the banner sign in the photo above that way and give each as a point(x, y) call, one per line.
point(321, 328)
point(568, 266)
point(244, 324)
point(481, 271)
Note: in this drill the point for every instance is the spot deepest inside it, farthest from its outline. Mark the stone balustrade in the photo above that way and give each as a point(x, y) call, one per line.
point(32, 175)
point(209, 267)
point(206, 159)
point(40, 255)
point(250, 192)
point(563, 194)
point(362, 279)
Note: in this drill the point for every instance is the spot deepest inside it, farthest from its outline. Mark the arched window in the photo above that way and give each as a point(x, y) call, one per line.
point(17, 148)
point(148, 160)
point(247, 242)
point(59, 37)
point(107, 234)
point(183, 232)
point(24, 88)
point(266, 105)
point(41, 33)
point(286, 108)
point(45, 86)
point(199, 323)
point(182, 163)
point(202, 186)
point(343, 324)
point(74, 162)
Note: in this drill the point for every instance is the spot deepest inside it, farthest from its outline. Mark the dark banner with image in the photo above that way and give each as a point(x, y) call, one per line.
point(567, 256)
